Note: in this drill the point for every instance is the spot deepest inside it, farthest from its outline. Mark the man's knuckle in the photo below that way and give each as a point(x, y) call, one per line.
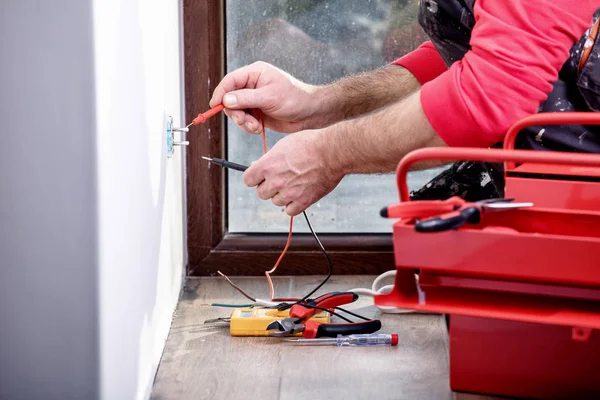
point(291, 211)
point(277, 184)
point(247, 179)
point(261, 192)
point(293, 194)
point(285, 198)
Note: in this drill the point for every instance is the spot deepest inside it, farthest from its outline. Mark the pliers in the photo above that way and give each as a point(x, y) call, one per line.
point(300, 314)
point(466, 213)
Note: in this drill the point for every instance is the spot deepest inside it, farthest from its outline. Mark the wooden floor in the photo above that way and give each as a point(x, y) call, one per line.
point(205, 362)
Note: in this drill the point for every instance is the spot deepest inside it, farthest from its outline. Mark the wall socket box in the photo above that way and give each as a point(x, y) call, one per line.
point(170, 136)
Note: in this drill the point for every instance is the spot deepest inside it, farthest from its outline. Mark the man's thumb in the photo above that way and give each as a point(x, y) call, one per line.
point(242, 99)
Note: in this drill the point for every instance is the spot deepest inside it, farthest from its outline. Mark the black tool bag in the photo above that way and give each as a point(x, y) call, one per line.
point(448, 24)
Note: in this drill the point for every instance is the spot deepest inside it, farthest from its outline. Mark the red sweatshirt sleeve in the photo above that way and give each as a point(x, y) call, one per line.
point(517, 49)
point(424, 63)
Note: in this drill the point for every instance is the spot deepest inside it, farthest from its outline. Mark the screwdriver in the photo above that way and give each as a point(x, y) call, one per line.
point(226, 164)
point(373, 339)
point(202, 117)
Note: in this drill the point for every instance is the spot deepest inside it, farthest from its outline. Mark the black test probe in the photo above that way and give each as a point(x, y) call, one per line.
point(226, 164)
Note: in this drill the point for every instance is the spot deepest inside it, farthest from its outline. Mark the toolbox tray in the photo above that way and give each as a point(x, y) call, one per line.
point(532, 245)
point(552, 247)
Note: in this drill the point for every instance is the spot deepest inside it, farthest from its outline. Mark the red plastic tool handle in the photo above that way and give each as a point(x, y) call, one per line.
point(490, 155)
point(314, 329)
point(422, 208)
point(201, 118)
point(327, 301)
point(553, 118)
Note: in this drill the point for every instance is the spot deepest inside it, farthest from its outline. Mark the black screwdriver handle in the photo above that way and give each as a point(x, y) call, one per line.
point(356, 328)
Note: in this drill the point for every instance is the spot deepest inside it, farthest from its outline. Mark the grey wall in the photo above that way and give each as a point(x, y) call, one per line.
point(48, 310)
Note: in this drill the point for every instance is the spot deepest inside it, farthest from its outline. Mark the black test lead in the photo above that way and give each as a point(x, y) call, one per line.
point(283, 306)
point(226, 164)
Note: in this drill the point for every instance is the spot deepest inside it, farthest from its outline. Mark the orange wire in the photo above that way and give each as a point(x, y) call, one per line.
point(289, 239)
point(268, 273)
point(262, 127)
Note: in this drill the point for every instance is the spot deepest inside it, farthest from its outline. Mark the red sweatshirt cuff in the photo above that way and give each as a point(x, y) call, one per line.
point(424, 63)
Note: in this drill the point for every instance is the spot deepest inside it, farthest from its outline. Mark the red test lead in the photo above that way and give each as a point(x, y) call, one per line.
point(201, 118)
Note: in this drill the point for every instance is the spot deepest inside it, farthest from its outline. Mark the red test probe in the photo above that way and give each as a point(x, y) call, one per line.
point(201, 118)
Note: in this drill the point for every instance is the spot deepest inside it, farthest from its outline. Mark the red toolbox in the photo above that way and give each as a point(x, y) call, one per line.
point(522, 286)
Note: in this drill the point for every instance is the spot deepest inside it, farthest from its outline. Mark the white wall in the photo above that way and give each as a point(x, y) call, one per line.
point(91, 210)
point(138, 84)
point(48, 262)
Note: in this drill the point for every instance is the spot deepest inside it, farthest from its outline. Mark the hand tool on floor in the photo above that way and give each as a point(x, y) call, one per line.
point(254, 321)
point(470, 213)
point(372, 339)
point(300, 314)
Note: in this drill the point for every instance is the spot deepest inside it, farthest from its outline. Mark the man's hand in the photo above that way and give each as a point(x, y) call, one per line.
point(302, 168)
point(287, 104)
point(295, 173)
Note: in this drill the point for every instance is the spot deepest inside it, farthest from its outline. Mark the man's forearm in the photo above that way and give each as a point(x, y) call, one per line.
point(361, 94)
point(376, 142)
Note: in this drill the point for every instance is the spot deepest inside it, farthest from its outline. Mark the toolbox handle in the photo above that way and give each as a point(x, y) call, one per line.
point(489, 155)
point(547, 118)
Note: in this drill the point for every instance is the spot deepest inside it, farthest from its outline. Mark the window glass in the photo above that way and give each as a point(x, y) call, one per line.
point(317, 41)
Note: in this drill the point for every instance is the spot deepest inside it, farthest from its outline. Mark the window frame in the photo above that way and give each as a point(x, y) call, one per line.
point(210, 246)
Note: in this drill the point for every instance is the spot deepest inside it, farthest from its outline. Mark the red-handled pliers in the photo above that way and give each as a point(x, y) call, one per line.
point(421, 208)
point(298, 321)
point(468, 213)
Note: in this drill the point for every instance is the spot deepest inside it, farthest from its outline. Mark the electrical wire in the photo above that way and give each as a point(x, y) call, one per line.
point(337, 314)
point(236, 287)
point(285, 249)
point(353, 314)
point(268, 273)
point(329, 264)
point(329, 311)
point(376, 290)
point(289, 239)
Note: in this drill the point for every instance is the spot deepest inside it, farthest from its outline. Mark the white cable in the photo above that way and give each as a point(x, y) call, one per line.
point(374, 291)
point(266, 303)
